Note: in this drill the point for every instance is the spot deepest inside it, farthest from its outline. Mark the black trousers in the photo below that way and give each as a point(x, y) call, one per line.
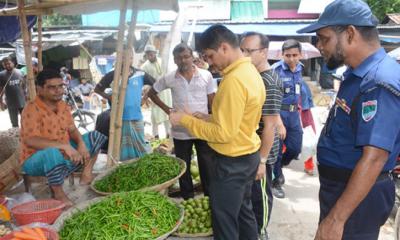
point(365, 222)
point(230, 197)
point(13, 113)
point(257, 198)
point(184, 150)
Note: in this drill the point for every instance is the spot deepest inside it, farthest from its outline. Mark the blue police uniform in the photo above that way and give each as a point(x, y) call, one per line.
point(289, 113)
point(365, 114)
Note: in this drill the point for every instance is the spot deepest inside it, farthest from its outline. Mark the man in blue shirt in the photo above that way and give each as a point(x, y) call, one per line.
point(289, 70)
point(361, 139)
point(133, 143)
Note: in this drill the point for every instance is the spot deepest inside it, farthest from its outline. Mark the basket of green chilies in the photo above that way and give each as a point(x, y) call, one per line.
point(133, 215)
point(152, 172)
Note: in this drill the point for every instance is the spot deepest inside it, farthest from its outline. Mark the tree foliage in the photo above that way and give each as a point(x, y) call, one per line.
point(61, 20)
point(381, 7)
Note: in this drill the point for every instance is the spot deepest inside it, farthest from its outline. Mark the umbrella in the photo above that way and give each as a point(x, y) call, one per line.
point(395, 53)
point(308, 50)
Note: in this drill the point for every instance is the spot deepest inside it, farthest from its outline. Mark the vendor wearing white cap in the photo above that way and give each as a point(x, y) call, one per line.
point(152, 66)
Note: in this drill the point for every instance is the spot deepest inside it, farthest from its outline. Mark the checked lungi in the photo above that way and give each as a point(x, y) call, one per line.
point(51, 162)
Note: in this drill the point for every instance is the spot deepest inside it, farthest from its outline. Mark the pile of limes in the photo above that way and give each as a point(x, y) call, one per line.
point(197, 216)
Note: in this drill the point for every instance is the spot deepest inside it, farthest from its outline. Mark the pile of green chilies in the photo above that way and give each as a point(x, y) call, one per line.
point(149, 170)
point(130, 216)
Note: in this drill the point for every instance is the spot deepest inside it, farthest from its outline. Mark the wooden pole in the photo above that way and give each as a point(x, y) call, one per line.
point(39, 42)
point(27, 49)
point(111, 160)
point(128, 59)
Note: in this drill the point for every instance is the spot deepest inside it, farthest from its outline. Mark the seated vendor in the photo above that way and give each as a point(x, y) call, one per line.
point(51, 145)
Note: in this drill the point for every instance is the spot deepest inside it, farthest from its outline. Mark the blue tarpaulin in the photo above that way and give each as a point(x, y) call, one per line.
point(9, 26)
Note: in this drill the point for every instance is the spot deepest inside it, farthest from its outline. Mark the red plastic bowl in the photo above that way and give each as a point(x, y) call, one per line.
point(44, 211)
point(50, 235)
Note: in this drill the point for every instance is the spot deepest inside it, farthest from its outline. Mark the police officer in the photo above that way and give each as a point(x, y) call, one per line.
point(361, 139)
point(289, 70)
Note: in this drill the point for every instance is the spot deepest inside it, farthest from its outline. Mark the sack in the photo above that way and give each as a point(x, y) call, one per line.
point(310, 141)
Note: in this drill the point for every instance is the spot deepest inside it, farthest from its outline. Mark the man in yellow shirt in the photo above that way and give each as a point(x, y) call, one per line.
point(231, 132)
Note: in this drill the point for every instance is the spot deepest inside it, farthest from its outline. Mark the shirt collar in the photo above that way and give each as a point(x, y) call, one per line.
point(39, 102)
point(362, 69)
point(235, 64)
point(299, 66)
point(195, 74)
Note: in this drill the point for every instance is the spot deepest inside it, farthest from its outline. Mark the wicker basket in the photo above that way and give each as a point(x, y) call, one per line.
point(58, 225)
point(50, 235)
point(157, 188)
point(9, 174)
point(44, 211)
point(193, 235)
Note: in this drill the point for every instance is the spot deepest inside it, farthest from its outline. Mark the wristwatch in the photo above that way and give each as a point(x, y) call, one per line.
point(263, 160)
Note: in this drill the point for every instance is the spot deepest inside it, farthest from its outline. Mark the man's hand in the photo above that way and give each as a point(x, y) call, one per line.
point(175, 117)
point(281, 131)
point(261, 171)
point(202, 116)
point(330, 229)
point(82, 150)
point(72, 154)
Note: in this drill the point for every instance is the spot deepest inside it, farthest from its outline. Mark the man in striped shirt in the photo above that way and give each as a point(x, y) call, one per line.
point(255, 45)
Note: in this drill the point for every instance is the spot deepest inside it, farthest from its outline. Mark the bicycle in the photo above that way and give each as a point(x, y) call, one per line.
point(84, 119)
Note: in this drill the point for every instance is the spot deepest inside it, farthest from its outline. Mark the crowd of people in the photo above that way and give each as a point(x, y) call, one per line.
point(245, 119)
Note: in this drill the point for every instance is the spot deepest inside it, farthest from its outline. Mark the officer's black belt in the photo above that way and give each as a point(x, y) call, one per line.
point(289, 107)
point(343, 175)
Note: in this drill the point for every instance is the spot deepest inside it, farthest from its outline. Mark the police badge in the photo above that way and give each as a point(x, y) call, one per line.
point(369, 109)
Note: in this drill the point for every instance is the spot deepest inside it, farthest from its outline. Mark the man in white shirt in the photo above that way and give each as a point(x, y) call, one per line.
point(192, 90)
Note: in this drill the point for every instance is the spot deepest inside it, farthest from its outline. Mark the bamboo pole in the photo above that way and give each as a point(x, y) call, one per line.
point(27, 49)
point(128, 59)
point(111, 160)
point(39, 43)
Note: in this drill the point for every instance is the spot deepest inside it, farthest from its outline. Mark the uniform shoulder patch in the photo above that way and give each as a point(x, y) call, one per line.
point(369, 109)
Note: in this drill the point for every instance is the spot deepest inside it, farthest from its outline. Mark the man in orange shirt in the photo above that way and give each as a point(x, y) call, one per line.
point(51, 145)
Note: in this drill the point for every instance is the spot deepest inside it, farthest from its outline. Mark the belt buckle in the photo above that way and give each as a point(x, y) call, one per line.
point(291, 108)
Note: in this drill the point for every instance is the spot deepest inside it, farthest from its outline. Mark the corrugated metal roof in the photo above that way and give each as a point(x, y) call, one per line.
point(395, 17)
point(247, 10)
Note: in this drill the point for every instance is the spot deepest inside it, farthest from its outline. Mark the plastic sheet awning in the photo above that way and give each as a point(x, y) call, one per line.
point(270, 29)
point(10, 28)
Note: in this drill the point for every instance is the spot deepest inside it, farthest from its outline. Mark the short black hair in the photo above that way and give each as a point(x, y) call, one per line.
point(45, 75)
point(213, 36)
point(264, 40)
point(369, 34)
point(291, 43)
point(180, 48)
point(7, 59)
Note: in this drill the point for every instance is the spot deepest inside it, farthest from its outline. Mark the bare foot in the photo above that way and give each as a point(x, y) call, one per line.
point(86, 179)
point(62, 197)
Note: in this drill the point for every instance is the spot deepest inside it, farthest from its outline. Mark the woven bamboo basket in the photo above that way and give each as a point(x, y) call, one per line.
point(194, 235)
point(157, 188)
point(58, 225)
point(10, 172)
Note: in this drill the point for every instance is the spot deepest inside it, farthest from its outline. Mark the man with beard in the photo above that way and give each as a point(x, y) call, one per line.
point(152, 66)
point(192, 89)
point(231, 131)
point(51, 145)
point(361, 138)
